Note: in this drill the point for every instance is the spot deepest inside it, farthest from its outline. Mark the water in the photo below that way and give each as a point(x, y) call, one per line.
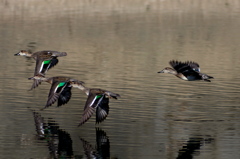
point(120, 47)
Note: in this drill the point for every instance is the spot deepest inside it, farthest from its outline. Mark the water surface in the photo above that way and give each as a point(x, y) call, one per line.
point(120, 47)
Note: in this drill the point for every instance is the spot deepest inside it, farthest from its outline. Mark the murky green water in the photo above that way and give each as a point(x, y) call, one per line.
point(120, 46)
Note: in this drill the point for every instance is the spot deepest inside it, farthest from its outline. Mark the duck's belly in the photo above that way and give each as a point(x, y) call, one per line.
point(188, 78)
point(182, 77)
point(191, 78)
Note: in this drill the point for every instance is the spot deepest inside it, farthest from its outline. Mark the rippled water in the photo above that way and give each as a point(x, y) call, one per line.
point(120, 46)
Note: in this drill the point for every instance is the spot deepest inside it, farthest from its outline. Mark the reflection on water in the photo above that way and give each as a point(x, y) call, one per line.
point(102, 149)
point(59, 141)
point(192, 146)
point(120, 46)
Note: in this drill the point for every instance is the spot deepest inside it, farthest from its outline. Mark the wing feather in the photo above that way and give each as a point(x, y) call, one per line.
point(55, 92)
point(102, 110)
point(88, 112)
point(35, 83)
point(65, 96)
point(184, 66)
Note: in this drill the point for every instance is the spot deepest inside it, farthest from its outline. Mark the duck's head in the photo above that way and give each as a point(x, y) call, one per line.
point(23, 53)
point(168, 70)
point(76, 83)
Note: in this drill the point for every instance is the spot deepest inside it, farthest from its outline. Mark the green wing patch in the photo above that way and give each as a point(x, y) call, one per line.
point(46, 62)
point(98, 96)
point(61, 84)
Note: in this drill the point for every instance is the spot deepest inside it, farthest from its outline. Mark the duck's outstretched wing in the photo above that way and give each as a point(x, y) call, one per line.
point(42, 66)
point(54, 61)
point(55, 92)
point(103, 106)
point(91, 104)
point(184, 66)
point(65, 96)
point(88, 112)
point(102, 109)
point(35, 84)
point(195, 66)
point(180, 66)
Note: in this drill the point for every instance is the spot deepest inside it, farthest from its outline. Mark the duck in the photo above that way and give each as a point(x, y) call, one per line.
point(44, 54)
point(45, 60)
point(97, 101)
point(60, 89)
point(188, 71)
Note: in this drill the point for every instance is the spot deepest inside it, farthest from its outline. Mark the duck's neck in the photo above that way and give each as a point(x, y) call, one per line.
point(49, 80)
point(25, 53)
point(84, 89)
point(29, 54)
point(172, 71)
point(45, 79)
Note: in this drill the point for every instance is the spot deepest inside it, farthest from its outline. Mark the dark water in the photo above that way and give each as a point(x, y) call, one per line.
point(120, 47)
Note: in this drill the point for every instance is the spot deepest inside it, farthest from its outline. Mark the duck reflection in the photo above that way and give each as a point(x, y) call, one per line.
point(59, 141)
point(190, 148)
point(102, 148)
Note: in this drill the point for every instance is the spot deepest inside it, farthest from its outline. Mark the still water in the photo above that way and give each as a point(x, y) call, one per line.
point(120, 47)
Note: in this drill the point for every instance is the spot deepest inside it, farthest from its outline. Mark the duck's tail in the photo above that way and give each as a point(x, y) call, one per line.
point(112, 95)
point(206, 77)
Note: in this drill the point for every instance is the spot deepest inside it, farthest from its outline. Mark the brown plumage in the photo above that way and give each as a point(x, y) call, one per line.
point(189, 71)
point(97, 101)
point(45, 60)
point(60, 89)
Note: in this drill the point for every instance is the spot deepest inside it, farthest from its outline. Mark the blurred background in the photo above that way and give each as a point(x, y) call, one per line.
point(120, 46)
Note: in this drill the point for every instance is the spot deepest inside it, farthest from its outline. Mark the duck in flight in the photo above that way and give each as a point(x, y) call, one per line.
point(97, 101)
point(60, 89)
point(189, 71)
point(44, 61)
